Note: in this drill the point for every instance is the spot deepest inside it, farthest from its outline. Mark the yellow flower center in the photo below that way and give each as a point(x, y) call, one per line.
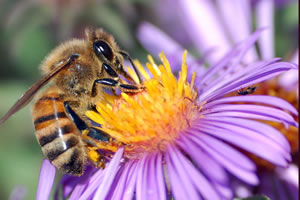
point(146, 122)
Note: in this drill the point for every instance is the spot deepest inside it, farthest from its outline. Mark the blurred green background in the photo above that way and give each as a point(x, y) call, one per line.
point(30, 29)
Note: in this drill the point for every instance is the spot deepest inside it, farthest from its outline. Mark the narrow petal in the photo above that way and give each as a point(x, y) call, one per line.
point(289, 80)
point(47, 176)
point(156, 41)
point(259, 128)
point(237, 23)
point(109, 175)
point(295, 58)
point(94, 182)
point(181, 185)
point(199, 181)
point(221, 79)
point(235, 55)
point(226, 161)
point(228, 152)
point(247, 140)
point(269, 100)
point(224, 190)
point(141, 187)
point(81, 184)
point(131, 182)
point(265, 16)
point(207, 34)
point(152, 191)
point(290, 175)
point(160, 177)
point(232, 83)
point(209, 166)
point(117, 191)
point(273, 113)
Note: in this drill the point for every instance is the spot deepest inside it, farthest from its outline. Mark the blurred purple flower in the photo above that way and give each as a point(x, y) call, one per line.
point(197, 163)
point(214, 26)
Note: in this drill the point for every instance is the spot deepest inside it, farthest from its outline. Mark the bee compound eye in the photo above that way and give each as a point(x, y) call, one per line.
point(101, 47)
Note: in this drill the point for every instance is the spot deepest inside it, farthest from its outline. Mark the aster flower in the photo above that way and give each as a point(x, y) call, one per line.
point(181, 138)
point(214, 25)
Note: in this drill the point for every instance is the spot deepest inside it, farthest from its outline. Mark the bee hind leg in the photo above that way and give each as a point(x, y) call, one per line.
point(89, 134)
point(93, 150)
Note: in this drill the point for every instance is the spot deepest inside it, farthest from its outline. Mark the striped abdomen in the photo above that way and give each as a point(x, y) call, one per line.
point(58, 136)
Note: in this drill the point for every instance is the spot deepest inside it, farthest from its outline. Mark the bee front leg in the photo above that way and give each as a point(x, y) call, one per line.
point(125, 54)
point(111, 83)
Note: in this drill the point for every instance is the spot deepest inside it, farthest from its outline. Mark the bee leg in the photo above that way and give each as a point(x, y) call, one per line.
point(107, 82)
point(125, 54)
point(83, 127)
point(80, 124)
point(94, 155)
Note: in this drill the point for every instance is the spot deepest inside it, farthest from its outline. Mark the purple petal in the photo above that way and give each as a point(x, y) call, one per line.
point(66, 183)
point(94, 182)
point(81, 184)
point(265, 16)
point(227, 161)
point(47, 176)
point(246, 139)
point(160, 177)
point(270, 100)
point(290, 174)
point(156, 41)
point(131, 182)
point(152, 191)
point(181, 185)
point(221, 79)
point(227, 151)
point(295, 58)
point(141, 187)
point(209, 166)
point(235, 56)
point(224, 190)
point(273, 113)
point(117, 191)
point(199, 181)
point(207, 34)
point(259, 128)
point(233, 83)
point(289, 80)
point(237, 23)
point(109, 175)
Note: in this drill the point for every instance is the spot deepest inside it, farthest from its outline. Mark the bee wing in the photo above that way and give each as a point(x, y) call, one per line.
point(29, 94)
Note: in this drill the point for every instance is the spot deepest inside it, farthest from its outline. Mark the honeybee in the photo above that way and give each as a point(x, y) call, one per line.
point(248, 90)
point(78, 71)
